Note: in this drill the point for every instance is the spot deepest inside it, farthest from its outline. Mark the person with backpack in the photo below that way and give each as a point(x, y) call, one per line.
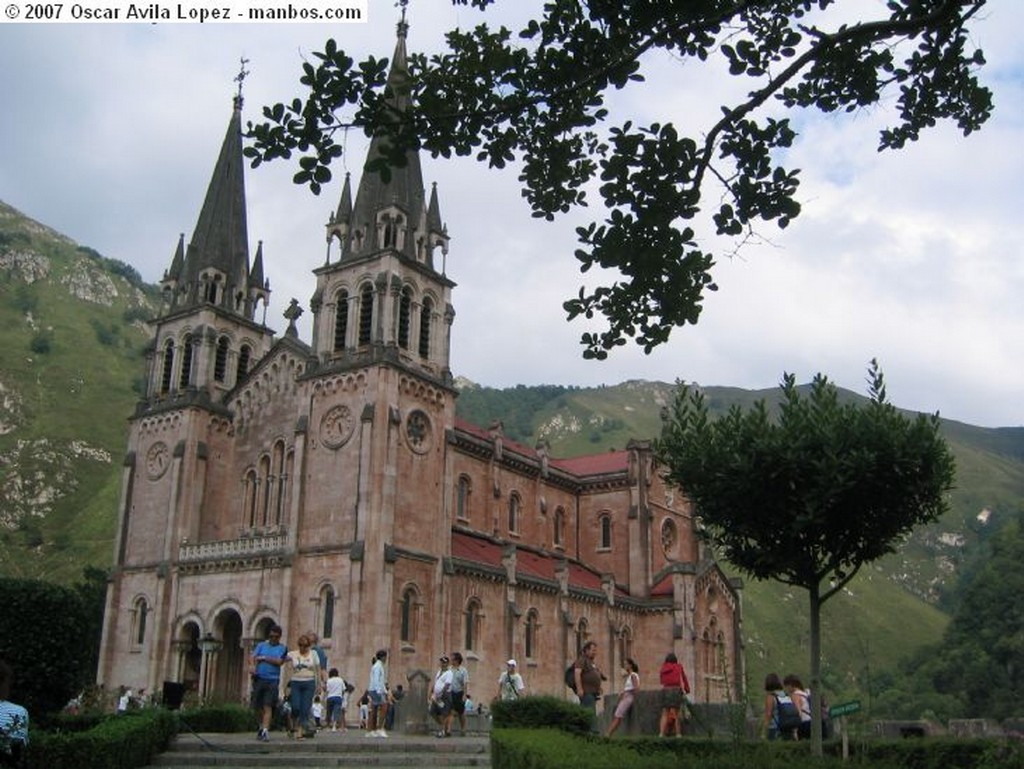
point(674, 688)
point(802, 699)
point(781, 717)
point(510, 683)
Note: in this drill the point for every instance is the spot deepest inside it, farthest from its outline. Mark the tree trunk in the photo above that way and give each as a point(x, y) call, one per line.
point(814, 596)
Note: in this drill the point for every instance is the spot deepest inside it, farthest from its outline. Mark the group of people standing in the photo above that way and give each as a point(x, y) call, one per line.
point(300, 677)
point(449, 695)
point(788, 709)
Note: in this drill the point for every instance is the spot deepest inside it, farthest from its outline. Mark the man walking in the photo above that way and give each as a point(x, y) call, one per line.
point(588, 677)
point(265, 670)
point(378, 693)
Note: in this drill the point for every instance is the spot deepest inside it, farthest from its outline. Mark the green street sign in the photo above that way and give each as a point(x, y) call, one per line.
point(844, 708)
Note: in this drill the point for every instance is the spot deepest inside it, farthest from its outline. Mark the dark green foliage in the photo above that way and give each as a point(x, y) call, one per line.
point(133, 314)
point(115, 267)
point(540, 101)
point(536, 712)
point(809, 497)
point(25, 299)
point(516, 407)
point(49, 634)
point(41, 343)
point(107, 334)
point(218, 718)
point(127, 741)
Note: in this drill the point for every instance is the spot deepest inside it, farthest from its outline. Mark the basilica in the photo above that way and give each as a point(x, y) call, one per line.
point(328, 485)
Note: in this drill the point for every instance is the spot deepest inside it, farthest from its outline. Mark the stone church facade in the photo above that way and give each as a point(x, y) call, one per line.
point(329, 486)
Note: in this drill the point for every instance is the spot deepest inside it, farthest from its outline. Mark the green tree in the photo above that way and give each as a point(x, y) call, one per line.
point(50, 635)
point(540, 100)
point(809, 497)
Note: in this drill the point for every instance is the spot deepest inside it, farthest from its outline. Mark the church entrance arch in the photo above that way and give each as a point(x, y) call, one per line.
point(229, 660)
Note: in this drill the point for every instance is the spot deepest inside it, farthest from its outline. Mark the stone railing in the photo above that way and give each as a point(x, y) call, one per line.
point(232, 549)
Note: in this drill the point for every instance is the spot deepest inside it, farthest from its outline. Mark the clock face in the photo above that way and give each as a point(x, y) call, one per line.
point(157, 460)
point(337, 427)
point(418, 432)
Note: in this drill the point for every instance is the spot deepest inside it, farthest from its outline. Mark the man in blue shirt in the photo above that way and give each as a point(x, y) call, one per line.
point(13, 721)
point(265, 669)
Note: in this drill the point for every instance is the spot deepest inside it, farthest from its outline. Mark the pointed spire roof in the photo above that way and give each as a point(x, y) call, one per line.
point(404, 188)
point(256, 275)
point(221, 239)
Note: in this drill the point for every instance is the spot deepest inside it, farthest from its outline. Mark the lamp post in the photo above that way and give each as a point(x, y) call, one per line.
point(209, 646)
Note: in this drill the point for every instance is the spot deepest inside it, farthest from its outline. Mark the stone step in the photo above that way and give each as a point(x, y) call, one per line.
point(397, 751)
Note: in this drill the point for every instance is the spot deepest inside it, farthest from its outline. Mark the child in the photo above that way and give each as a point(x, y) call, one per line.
point(335, 700)
point(317, 711)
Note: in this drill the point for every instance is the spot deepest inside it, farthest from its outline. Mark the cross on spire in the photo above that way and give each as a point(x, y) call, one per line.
point(403, 26)
point(240, 77)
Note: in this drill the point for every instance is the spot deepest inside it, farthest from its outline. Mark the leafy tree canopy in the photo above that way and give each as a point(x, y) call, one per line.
point(809, 497)
point(539, 99)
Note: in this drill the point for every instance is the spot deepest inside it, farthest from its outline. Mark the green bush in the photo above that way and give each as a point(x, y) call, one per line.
point(554, 749)
point(127, 741)
point(538, 712)
point(218, 718)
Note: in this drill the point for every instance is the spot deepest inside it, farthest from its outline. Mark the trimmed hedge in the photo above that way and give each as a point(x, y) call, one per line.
point(127, 741)
point(218, 718)
point(542, 712)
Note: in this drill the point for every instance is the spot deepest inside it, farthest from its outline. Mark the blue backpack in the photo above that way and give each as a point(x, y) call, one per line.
point(787, 717)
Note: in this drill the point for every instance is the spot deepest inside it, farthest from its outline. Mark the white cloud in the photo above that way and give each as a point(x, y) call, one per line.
point(914, 257)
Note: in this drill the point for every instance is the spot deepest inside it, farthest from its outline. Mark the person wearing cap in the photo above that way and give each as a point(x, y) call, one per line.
point(440, 703)
point(510, 684)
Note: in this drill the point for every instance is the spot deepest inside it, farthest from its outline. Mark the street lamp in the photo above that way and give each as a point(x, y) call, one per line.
point(208, 645)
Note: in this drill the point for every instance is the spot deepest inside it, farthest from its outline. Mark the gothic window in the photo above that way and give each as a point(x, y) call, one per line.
point(669, 539)
point(559, 526)
point(220, 362)
point(168, 372)
point(211, 291)
point(341, 321)
point(139, 612)
point(462, 498)
point(407, 615)
point(530, 641)
point(264, 479)
point(327, 612)
point(426, 311)
point(278, 485)
point(625, 644)
point(244, 355)
point(365, 314)
point(473, 622)
point(404, 311)
point(515, 506)
point(251, 495)
point(582, 633)
point(606, 531)
point(186, 364)
point(390, 233)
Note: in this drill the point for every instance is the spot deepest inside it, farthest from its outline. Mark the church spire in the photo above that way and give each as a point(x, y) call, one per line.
point(389, 213)
point(215, 268)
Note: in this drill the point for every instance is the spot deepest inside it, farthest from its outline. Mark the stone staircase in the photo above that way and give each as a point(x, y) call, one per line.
point(327, 749)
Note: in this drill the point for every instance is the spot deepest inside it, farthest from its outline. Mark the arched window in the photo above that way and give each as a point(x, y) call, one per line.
point(186, 363)
point(532, 625)
point(407, 613)
point(168, 372)
point(211, 290)
point(139, 612)
point(327, 612)
point(426, 312)
point(473, 621)
point(625, 644)
point(582, 632)
point(251, 495)
point(404, 313)
point(220, 362)
point(278, 476)
point(341, 322)
point(462, 498)
point(244, 356)
point(366, 314)
point(606, 531)
point(265, 480)
point(514, 507)
point(559, 524)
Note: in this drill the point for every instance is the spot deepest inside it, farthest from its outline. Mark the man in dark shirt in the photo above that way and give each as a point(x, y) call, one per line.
point(588, 677)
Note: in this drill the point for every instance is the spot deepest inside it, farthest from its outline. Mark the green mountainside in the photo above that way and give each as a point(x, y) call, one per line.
point(72, 359)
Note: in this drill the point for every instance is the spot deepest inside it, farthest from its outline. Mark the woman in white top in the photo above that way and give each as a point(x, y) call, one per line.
point(802, 699)
point(304, 670)
point(630, 684)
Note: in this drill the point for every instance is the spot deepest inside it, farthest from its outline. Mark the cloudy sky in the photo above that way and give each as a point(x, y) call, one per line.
point(110, 132)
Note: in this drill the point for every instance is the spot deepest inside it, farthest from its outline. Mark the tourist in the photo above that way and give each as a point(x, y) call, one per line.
point(304, 674)
point(13, 722)
point(265, 671)
point(802, 699)
point(460, 693)
point(674, 688)
point(378, 694)
point(440, 703)
point(630, 685)
point(335, 690)
point(781, 717)
point(510, 683)
point(588, 677)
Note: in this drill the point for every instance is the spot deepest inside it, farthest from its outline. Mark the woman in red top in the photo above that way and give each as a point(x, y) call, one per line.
point(674, 688)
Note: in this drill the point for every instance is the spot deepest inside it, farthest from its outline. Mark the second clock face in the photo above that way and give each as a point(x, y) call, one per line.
point(158, 458)
point(337, 426)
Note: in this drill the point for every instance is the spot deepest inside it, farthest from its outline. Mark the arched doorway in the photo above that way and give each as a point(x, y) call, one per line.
point(228, 662)
point(190, 658)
